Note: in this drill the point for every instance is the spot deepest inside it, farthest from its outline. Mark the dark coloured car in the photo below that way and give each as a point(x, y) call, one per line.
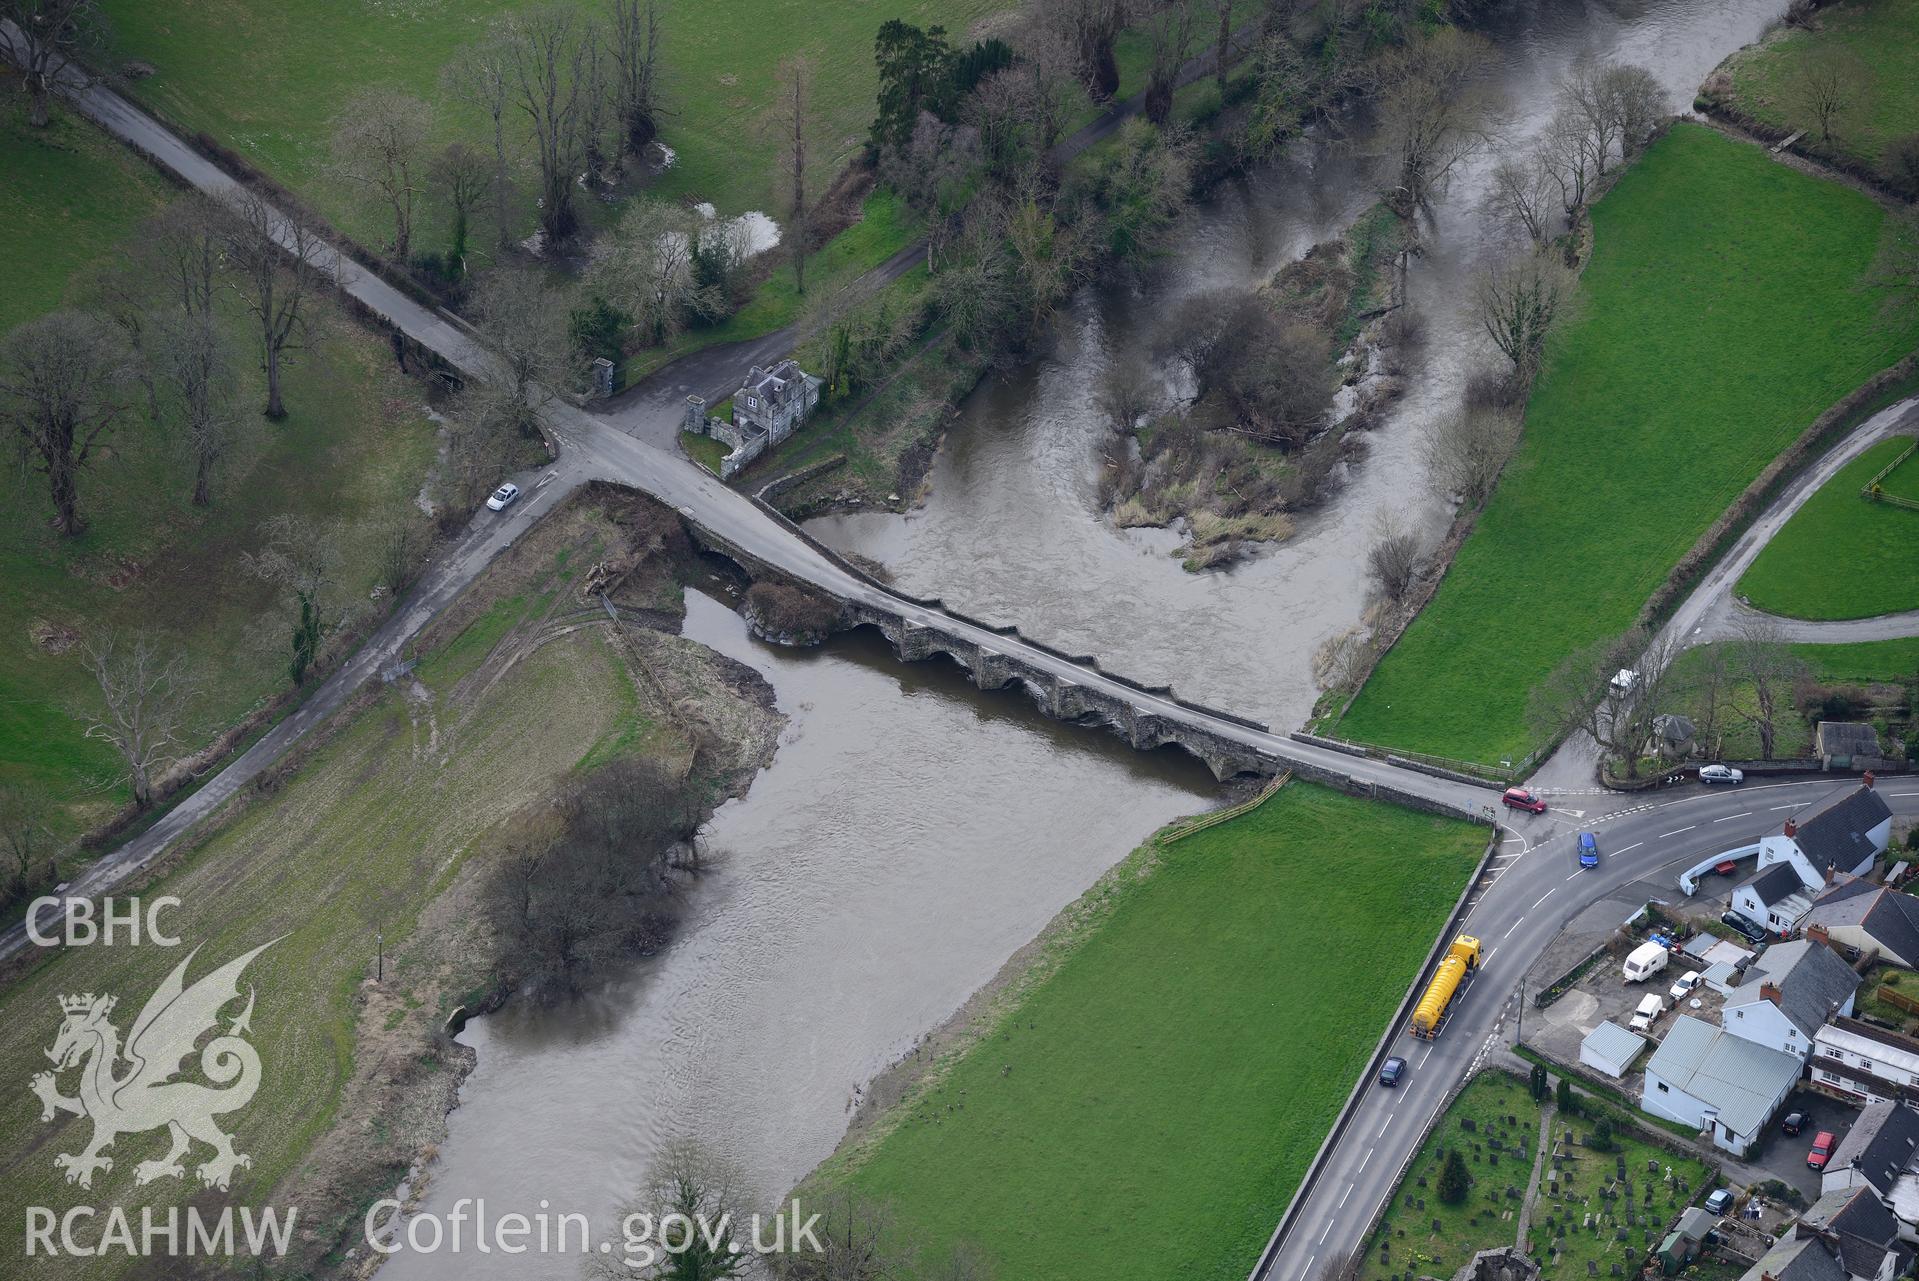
point(1391, 1070)
point(1822, 1144)
point(1520, 799)
point(1751, 929)
point(1588, 850)
point(1794, 1122)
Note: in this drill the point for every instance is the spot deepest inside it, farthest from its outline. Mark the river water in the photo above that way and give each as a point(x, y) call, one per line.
point(1013, 530)
point(912, 833)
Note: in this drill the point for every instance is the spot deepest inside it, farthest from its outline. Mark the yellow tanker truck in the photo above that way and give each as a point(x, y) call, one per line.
point(1461, 959)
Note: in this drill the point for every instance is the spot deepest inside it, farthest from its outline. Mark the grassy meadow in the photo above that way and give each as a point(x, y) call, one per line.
point(351, 455)
point(1722, 311)
point(1841, 555)
point(303, 62)
point(1173, 1061)
point(1874, 38)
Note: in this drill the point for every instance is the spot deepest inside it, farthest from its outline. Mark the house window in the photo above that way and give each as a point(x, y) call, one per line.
point(752, 402)
point(1662, 1087)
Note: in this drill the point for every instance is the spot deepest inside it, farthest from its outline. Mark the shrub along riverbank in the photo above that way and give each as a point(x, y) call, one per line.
point(1172, 1056)
point(1725, 307)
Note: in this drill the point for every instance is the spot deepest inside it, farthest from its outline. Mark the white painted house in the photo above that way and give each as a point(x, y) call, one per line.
point(1791, 991)
point(1703, 1076)
point(1843, 831)
point(1775, 897)
point(1868, 1063)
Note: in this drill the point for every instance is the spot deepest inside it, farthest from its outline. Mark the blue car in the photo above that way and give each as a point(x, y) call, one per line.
point(1588, 850)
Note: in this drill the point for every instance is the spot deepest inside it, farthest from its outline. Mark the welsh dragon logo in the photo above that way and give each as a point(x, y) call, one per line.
point(131, 1090)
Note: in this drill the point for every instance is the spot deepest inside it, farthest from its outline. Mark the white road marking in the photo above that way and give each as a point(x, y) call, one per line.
point(1342, 1199)
point(1788, 807)
point(1902, 793)
point(1362, 1163)
point(1509, 930)
point(1542, 898)
point(1382, 1130)
point(1328, 1232)
point(1677, 830)
point(1730, 817)
point(1308, 1269)
point(1629, 849)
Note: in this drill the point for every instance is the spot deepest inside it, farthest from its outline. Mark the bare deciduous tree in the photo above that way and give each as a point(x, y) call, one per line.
point(1341, 659)
point(1518, 302)
point(1046, 61)
point(378, 144)
point(1583, 694)
point(1048, 259)
point(481, 75)
point(859, 1242)
point(1708, 690)
point(521, 318)
point(276, 256)
point(1169, 38)
point(1637, 104)
point(1395, 558)
point(191, 363)
point(792, 121)
point(645, 268)
point(1827, 84)
point(1522, 193)
point(145, 692)
point(25, 838)
point(1566, 153)
point(1093, 27)
point(461, 175)
point(548, 59)
point(1433, 111)
point(1895, 268)
point(1464, 453)
point(635, 38)
point(691, 1185)
point(1761, 655)
point(62, 379)
point(301, 558)
point(1128, 391)
point(42, 37)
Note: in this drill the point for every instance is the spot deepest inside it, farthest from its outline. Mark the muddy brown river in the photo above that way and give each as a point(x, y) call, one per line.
point(911, 833)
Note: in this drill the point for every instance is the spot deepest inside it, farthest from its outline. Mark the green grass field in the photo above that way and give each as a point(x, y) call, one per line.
point(374, 826)
point(352, 453)
point(1841, 555)
point(1879, 35)
point(1721, 313)
point(1561, 1241)
point(1903, 480)
point(267, 79)
point(1146, 1107)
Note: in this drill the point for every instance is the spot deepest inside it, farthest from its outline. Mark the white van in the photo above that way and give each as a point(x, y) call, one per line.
point(1646, 960)
point(1651, 1006)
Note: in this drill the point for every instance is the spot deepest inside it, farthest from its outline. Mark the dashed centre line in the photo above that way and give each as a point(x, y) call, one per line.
point(1677, 830)
point(1542, 898)
point(1730, 817)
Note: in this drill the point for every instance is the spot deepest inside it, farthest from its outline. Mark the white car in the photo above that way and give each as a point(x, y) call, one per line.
point(1651, 1006)
point(1683, 986)
point(504, 497)
point(1721, 774)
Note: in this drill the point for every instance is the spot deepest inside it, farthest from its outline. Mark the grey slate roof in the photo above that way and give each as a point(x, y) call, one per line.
point(1863, 1228)
point(1880, 1144)
point(1832, 831)
point(1740, 1078)
point(1776, 884)
point(1813, 983)
point(1847, 738)
point(1889, 917)
point(1796, 1258)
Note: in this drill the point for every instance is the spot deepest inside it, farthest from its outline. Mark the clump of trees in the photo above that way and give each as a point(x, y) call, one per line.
point(1271, 378)
point(591, 880)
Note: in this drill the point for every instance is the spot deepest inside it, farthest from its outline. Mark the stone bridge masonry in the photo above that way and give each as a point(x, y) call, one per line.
point(1065, 699)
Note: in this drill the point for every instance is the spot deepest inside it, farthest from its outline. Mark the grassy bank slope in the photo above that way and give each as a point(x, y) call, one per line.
point(1841, 556)
point(1876, 39)
point(1182, 1052)
point(1721, 313)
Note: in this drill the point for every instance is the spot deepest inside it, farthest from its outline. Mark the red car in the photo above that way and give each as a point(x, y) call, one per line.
point(1520, 799)
point(1821, 1150)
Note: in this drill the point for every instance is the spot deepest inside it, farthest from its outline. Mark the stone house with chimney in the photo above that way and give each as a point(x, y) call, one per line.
point(769, 406)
